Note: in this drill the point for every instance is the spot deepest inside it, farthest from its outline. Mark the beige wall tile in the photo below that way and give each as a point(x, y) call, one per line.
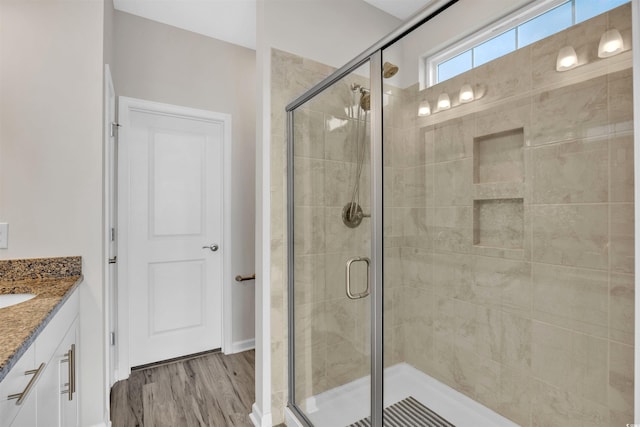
point(507, 116)
point(309, 230)
point(453, 139)
point(489, 333)
point(339, 141)
point(516, 341)
point(571, 112)
point(621, 101)
point(571, 297)
point(309, 279)
point(418, 346)
point(553, 407)
point(417, 227)
point(339, 181)
point(571, 172)
point(621, 382)
point(621, 168)
point(345, 363)
point(452, 182)
point(621, 308)
point(309, 177)
point(504, 283)
point(500, 84)
point(487, 383)
point(310, 325)
point(575, 235)
point(308, 133)
point(466, 326)
point(453, 229)
point(515, 396)
point(417, 266)
point(453, 276)
point(418, 190)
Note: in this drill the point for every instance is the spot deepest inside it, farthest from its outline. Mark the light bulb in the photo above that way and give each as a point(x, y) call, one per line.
point(567, 59)
point(443, 102)
point(466, 94)
point(424, 109)
point(610, 44)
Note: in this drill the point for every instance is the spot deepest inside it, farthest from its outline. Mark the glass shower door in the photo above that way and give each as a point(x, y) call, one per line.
point(330, 292)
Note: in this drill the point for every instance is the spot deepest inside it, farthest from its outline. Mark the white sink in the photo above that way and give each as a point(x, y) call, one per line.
point(7, 300)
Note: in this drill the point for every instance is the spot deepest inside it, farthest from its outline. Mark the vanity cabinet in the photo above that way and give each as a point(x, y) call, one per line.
point(41, 389)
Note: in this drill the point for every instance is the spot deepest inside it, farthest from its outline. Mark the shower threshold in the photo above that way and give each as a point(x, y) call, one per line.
point(349, 403)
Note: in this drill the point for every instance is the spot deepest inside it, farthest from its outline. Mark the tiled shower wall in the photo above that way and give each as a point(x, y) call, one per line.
point(510, 221)
point(508, 234)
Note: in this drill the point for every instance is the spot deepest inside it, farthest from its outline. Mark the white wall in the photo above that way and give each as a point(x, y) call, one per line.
point(157, 62)
point(51, 154)
point(328, 31)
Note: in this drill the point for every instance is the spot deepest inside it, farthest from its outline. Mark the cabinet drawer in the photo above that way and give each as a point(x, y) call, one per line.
point(26, 413)
point(15, 382)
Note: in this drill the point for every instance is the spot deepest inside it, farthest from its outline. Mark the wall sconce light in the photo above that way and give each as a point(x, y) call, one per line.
point(444, 103)
point(466, 94)
point(567, 59)
point(610, 43)
point(424, 109)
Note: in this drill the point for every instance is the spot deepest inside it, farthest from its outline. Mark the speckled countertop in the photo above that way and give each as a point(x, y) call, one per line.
point(52, 280)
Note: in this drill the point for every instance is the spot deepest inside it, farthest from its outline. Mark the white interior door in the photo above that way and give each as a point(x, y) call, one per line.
point(175, 228)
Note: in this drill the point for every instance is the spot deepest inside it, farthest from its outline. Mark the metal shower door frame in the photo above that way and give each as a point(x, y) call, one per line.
point(373, 55)
point(375, 283)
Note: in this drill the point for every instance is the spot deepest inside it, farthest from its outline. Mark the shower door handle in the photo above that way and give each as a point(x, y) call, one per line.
point(348, 277)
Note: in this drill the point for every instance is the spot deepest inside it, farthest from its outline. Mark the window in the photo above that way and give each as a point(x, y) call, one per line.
point(527, 26)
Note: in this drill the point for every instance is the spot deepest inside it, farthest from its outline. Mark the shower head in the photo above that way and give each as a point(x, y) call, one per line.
point(365, 101)
point(389, 70)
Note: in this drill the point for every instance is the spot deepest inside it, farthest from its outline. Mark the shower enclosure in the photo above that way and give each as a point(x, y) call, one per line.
point(461, 247)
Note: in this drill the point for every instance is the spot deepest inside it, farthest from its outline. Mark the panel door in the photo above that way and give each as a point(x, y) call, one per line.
point(175, 234)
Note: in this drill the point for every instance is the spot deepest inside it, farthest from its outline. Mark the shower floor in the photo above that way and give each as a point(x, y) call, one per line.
point(349, 403)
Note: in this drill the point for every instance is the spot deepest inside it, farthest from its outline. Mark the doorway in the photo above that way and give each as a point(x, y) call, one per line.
point(174, 247)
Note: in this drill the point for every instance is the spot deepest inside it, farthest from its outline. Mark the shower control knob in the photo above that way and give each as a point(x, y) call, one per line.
point(213, 247)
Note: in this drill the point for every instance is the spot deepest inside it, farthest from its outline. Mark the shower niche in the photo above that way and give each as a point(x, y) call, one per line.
point(498, 202)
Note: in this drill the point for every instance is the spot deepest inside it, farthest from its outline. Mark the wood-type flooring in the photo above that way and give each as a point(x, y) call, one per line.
point(213, 390)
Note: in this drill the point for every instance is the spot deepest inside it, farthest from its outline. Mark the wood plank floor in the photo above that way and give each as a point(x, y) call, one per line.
point(214, 390)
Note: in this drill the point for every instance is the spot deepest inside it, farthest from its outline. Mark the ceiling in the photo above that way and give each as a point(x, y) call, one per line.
point(233, 21)
point(401, 9)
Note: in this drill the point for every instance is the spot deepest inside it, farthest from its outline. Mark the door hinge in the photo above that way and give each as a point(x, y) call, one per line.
point(114, 129)
point(113, 234)
point(112, 338)
point(113, 260)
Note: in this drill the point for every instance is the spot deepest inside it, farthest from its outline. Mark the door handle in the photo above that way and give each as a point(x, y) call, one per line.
point(348, 277)
point(212, 247)
point(20, 396)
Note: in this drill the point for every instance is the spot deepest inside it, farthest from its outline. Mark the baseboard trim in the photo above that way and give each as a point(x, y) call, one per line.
point(240, 346)
point(258, 419)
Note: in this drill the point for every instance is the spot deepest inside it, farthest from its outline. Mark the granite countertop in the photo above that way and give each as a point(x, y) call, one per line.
point(20, 324)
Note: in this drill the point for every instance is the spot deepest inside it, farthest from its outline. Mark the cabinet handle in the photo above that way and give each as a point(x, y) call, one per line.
point(27, 389)
point(71, 366)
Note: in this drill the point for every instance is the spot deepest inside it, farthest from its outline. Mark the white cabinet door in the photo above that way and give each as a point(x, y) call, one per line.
point(69, 379)
point(55, 408)
point(48, 396)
